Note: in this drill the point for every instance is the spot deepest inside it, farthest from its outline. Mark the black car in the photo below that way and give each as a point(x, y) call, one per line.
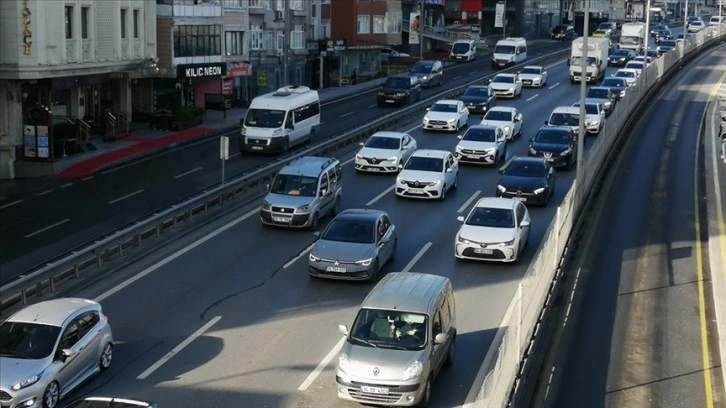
point(528, 179)
point(619, 86)
point(666, 45)
point(563, 33)
point(620, 57)
point(604, 96)
point(106, 402)
point(478, 98)
point(651, 53)
point(399, 90)
point(662, 34)
point(557, 144)
point(655, 27)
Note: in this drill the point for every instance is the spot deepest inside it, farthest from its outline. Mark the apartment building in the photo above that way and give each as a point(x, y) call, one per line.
point(68, 61)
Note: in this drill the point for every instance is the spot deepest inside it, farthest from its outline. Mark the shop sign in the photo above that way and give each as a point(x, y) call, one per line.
point(201, 70)
point(335, 45)
point(239, 69)
point(27, 31)
point(227, 87)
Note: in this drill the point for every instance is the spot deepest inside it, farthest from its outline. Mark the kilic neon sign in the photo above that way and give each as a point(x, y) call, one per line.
point(27, 32)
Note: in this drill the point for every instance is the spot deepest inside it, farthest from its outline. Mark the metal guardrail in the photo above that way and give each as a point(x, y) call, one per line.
point(47, 277)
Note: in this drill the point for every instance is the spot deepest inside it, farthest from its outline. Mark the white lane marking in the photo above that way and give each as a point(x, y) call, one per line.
point(67, 185)
point(178, 348)
point(120, 167)
point(553, 85)
point(324, 363)
point(346, 114)
point(379, 196)
point(416, 257)
point(348, 161)
point(174, 256)
point(115, 200)
point(532, 97)
point(11, 204)
point(234, 155)
point(186, 173)
point(300, 255)
point(45, 192)
point(412, 129)
point(32, 234)
point(86, 178)
point(372, 105)
point(457, 77)
point(469, 201)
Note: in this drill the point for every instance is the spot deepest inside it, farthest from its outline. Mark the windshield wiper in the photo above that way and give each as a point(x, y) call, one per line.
point(393, 346)
point(366, 342)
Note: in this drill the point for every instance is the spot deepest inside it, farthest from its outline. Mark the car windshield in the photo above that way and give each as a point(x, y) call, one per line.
point(354, 231)
point(535, 71)
point(668, 43)
point(564, 119)
point(477, 91)
point(31, 341)
point(559, 28)
point(635, 65)
point(505, 79)
point(553, 137)
point(392, 329)
point(590, 109)
point(421, 163)
point(630, 40)
point(422, 68)
point(620, 53)
point(460, 48)
point(610, 82)
point(294, 185)
point(597, 93)
point(625, 74)
point(503, 116)
point(504, 49)
point(382, 142)
point(521, 168)
point(397, 82)
point(480, 135)
point(444, 107)
point(491, 217)
point(264, 118)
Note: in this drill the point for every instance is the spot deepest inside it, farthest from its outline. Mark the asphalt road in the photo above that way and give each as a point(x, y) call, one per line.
point(641, 330)
point(68, 215)
point(228, 316)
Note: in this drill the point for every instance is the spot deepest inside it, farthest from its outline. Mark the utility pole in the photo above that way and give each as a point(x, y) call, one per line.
point(286, 40)
point(645, 45)
point(685, 21)
point(580, 172)
point(504, 21)
point(422, 23)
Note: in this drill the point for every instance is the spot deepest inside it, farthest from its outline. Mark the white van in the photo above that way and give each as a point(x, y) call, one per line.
point(279, 120)
point(716, 20)
point(463, 50)
point(509, 51)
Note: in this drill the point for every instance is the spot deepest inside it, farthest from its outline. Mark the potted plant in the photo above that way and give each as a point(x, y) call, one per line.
point(185, 117)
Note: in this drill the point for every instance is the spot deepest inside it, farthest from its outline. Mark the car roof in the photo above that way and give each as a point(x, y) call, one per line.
point(385, 133)
point(448, 101)
point(533, 67)
point(627, 70)
point(503, 109)
point(53, 312)
point(308, 165)
point(504, 74)
point(431, 153)
point(496, 202)
point(528, 159)
point(557, 128)
point(599, 88)
point(478, 87)
point(406, 291)
point(566, 109)
point(368, 214)
point(482, 127)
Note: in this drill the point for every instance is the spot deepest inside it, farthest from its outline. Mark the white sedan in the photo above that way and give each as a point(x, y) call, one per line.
point(384, 152)
point(496, 229)
point(594, 117)
point(506, 117)
point(482, 145)
point(428, 174)
point(533, 75)
point(446, 114)
point(506, 85)
point(630, 75)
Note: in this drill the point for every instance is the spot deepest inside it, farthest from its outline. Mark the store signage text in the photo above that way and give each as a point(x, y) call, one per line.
point(27, 32)
point(202, 72)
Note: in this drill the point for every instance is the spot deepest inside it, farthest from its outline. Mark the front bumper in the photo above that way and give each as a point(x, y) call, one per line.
point(504, 93)
point(404, 189)
point(535, 82)
point(577, 76)
point(375, 165)
point(477, 108)
point(287, 220)
point(391, 100)
point(439, 125)
point(501, 63)
point(526, 197)
point(403, 395)
point(460, 58)
point(13, 399)
point(554, 158)
point(483, 252)
point(262, 145)
point(475, 156)
point(342, 271)
point(593, 129)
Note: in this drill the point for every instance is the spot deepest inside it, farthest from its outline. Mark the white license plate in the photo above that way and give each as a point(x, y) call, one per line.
point(550, 159)
point(389, 101)
point(335, 269)
point(416, 191)
point(483, 251)
point(374, 390)
point(256, 147)
point(474, 156)
point(281, 219)
point(374, 169)
point(522, 199)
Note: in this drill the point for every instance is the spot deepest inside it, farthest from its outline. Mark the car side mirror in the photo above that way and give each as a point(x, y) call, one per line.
point(316, 233)
point(460, 218)
point(343, 329)
point(267, 187)
point(449, 170)
point(545, 122)
point(361, 144)
point(323, 192)
point(400, 166)
point(460, 137)
point(501, 170)
point(531, 140)
point(428, 109)
point(524, 223)
point(441, 338)
point(66, 354)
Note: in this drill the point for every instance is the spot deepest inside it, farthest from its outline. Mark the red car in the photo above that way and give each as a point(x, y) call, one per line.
point(437, 54)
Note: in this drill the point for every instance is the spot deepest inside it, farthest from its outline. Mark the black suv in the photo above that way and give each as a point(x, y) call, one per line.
point(563, 33)
point(557, 144)
point(399, 90)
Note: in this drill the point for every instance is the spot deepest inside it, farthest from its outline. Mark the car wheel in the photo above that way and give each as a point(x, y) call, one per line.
point(452, 350)
point(286, 145)
point(376, 269)
point(106, 356)
point(426, 397)
point(51, 395)
point(314, 222)
point(443, 192)
point(336, 207)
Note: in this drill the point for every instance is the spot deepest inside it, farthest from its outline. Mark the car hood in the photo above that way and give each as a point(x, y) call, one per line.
point(501, 56)
point(473, 99)
point(343, 251)
point(390, 89)
point(291, 201)
point(14, 370)
point(441, 115)
point(502, 86)
point(500, 123)
point(522, 183)
point(472, 145)
point(530, 76)
point(379, 153)
point(418, 175)
point(550, 147)
point(390, 363)
point(617, 88)
point(486, 235)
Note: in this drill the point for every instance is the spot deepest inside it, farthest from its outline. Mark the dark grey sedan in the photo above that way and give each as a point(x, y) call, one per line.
point(530, 180)
point(478, 98)
point(355, 246)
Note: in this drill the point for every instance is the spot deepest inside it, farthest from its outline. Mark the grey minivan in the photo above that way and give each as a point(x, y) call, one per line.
point(403, 334)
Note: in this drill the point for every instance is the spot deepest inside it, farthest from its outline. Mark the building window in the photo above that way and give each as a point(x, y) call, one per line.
point(266, 4)
point(236, 4)
point(379, 25)
point(297, 38)
point(69, 22)
point(123, 23)
point(393, 22)
point(364, 24)
point(85, 15)
point(197, 40)
point(136, 23)
point(256, 38)
point(297, 5)
point(280, 5)
point(280, 43)
point(233, 43)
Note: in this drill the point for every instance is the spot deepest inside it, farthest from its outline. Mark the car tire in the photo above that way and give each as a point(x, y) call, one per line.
point(376, 270)
point(106, 357)
point(314, 222)
point(443, 193)
point(51, 395)
point(456, 182)
point(452, 353)
point(426, 397)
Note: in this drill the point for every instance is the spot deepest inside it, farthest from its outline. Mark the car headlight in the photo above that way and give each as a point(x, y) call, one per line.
point(424, 77)
point(463, 240)
point(392, 159)
point(265, 206)
point(381, 93)
point(412, 371)
point(343, 362)
point(452, 120)
point(512, 89)
point(243, 131)
point(26, 383)
point(565, 152)
point(358, 157)
point(507, 129)
point(434, 183)
point(539, 190)
point(506, 243)
point(588, 123)
point(532, 150)
point(364, 262)
point(491, 150)
point(303, 209)
point(595, 123)
point(277, 132)
point(501, 188)
point(459, 148)
point(313, 258)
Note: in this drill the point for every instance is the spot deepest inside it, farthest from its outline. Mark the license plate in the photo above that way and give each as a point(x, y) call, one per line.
point(438, 127)
point(526, 82)
point(389, 100)
point(522, 199)
point(256, 147)
point(416, 191)
point(374, 390)
point(550, 159)
point(374, 169)
point(335, 269)
point(474, 157)
point(281, 219)
point(483, 251)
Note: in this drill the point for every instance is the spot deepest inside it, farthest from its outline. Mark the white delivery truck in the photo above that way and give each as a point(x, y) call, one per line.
point(597, 59)
point(632, 36)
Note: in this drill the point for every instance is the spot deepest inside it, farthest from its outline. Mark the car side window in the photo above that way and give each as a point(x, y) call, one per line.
point(86, 322)
point(380, 229)
point(520, 213)
point(436, 325)
point(324, 183)
point(333, 176)
point(70, 336)
point(445, 315)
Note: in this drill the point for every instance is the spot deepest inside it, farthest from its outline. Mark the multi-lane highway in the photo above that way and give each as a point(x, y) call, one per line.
point(228, 316)
point(68, 214)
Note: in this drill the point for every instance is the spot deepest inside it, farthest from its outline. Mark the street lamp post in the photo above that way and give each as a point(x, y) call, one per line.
point(685, 21)
point(422, 24)
point(645, 45)
point(580, 172)
point(286, 39)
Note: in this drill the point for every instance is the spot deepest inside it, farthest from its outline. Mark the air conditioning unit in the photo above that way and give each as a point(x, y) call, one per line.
point(279, 15)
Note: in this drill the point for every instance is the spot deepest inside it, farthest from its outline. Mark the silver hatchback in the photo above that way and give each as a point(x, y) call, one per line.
point(49, 348)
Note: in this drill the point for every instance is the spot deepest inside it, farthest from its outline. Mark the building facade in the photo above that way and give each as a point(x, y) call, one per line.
point(68, 62)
